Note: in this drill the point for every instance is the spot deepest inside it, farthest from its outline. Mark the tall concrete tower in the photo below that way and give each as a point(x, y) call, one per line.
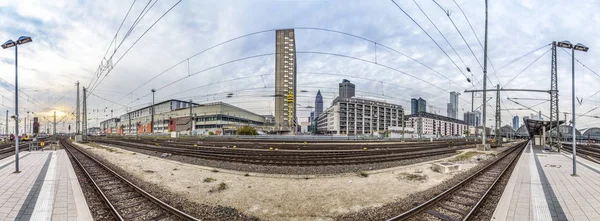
point(346, 89)
point(453, 105)
point(318, 104)
point(285, 79)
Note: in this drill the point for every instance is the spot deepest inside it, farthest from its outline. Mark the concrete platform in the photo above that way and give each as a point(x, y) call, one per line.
point(45, 189)
point(542, 188)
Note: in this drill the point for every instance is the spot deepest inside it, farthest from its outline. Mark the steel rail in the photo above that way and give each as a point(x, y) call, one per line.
point(278, 160)
point(414, 211)
point(147, 195)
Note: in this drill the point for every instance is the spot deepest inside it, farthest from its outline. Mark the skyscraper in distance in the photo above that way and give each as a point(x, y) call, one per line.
point(453, 105)
point(515, 122)
point(318, 104)
point(285, 79)
point(346, 89)
point(418, 105)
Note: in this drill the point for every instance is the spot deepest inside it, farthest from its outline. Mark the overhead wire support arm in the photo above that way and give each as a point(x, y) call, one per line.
point(504, 89)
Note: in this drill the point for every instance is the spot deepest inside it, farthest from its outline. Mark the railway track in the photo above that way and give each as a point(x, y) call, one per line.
point(293, 158)
point(300, 145)
point(589, 152)
point(462, 201)
point(9, 149)
point(125, 200)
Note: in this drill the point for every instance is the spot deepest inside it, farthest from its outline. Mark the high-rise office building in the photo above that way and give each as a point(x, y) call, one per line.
point(452, 108)
point(346, 89)
point(418, 105)
point(318, 104)
point(515, 122)
point(472, 118)
point(285, 79)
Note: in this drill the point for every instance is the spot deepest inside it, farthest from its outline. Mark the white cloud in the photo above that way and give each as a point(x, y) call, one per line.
point(70, 38)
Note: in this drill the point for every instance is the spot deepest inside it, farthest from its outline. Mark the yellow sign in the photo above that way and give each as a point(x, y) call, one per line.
point(42, 143)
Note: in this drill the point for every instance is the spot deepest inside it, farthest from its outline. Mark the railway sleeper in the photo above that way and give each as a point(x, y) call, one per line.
point(134, 215)
point(132, 203)
point(122, 195)
point(472, 192)
point(465, 196)
point(114, 186)
point(453, 209)
point(441, 215)
point(159, 217)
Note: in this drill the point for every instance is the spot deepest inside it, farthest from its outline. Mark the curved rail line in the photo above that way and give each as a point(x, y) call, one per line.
point(461, 201)
point(125, 200)
point(589, 152)
point(293, 158)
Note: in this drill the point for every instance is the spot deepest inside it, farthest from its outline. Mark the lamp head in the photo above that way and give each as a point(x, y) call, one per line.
point(565, 44)
point(581, 47)
point(8, 44)
point(24, 39)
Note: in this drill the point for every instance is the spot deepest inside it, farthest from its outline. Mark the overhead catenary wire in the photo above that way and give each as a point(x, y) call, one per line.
point(135, 23)
point(442, 34)
point(529, 65)
point(465, 41)
point(477, 37)
point(134, 43)
point(114, 41)
point(297, 28)
point(438, 45)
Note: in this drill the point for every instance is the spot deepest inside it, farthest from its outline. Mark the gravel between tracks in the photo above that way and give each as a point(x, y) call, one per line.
point(486, 212)
point(301, 170)
point(96, 205)
point(399, 206)
point(202, 211)
point(277, 196)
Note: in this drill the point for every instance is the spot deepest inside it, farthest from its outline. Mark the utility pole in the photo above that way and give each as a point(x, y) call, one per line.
point(129, 117)
point(485, 74)
point(25, 124)
point(498, 118)
point(420, 125)
point(84, 122)
point(7, 122)
point(54, 126)
point(554, 100)
point(191, 118)
point(77, 119)
point(152, 118)
point(402, 124)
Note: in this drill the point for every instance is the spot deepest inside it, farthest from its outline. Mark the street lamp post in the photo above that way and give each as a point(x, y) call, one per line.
point(9, 44)
point(578, 47)
point(152, 118)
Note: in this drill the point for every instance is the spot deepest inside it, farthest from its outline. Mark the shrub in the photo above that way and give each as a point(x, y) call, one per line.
point(209, 179)
point(246, 130)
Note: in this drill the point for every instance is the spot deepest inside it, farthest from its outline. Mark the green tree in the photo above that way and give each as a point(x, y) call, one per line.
point(246, 130)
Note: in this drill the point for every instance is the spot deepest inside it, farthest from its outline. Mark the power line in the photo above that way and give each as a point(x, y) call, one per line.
point(463, 73)
point(476, 37)
point(113, 41)
point(522, 56)
point(443, 36)
point(134, 43)
point(538, 58)
point(298, 28)
point(464, 40)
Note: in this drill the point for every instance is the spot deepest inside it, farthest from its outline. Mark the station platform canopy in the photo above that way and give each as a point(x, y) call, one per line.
point(535, 127)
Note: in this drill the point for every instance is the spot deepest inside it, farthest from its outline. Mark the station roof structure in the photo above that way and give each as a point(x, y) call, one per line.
point(535, 127)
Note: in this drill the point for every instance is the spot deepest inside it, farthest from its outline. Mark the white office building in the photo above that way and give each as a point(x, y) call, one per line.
point(356, 116)
point(434, 125)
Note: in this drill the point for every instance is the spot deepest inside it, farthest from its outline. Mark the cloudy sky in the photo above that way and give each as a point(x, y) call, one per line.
point(374, 44)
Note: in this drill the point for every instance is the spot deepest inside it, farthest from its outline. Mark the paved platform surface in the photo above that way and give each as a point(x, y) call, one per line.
point(542, 188)
point(45, 189)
